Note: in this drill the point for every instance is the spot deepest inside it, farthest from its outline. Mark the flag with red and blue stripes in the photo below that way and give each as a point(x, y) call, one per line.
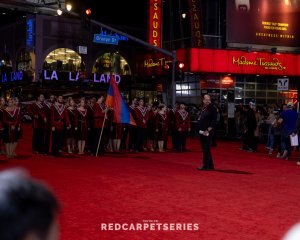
point(115, 101)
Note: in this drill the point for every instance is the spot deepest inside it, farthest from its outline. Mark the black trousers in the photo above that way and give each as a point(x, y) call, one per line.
point(207, 158)
point(181, 140)
point(131, 137)
point(38, 141)
point(46, 141)
point(140, 139)
point(97, 133)
point(174, 138)
point(57, 141)
point(249, 141)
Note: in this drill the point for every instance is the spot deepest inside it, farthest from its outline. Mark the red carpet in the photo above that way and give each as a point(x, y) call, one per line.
point(250, 196)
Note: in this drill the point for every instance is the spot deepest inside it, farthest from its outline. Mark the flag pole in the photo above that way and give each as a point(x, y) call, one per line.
point(100, 137)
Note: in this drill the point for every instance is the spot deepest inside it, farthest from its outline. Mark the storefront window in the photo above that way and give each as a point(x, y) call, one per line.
point(148, 96)
point(63, 59)
point(263, 90)
point(111, 63)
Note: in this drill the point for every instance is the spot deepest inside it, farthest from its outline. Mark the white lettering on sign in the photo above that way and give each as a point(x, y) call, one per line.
point(72, 77)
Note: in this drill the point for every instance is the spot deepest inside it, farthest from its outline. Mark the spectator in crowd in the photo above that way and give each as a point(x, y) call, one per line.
point(250, 125)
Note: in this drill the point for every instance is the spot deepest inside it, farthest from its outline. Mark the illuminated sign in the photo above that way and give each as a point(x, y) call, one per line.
point(154, 64)
point(265, 22)
point(149, 63)
point(75, 77)
point(274, 64)
point(29, 34)
point(12, 76)
point(195, 18)
point(120, 37)
point(217, 81)
point(240, 62)
point(154, 37)
point(106, 39)
point(282, 84)
point(7, 77)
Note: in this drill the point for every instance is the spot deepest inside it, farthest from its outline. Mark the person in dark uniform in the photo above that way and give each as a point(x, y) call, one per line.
point(81, 125)
point(59, 119)
point(161, 126)
point(90, 115)
point(183, 126)
point(39, 122)
point(2, 108)
point(172, 125)
point(249, 128)
point(71, 133)
point(47, 112)
point(100, 117)
point(132, 128)
point(206, 123)
point(151, 138)
point(142, 116)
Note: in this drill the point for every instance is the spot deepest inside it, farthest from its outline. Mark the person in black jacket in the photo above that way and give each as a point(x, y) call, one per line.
point(250, 125)
point(207, 121)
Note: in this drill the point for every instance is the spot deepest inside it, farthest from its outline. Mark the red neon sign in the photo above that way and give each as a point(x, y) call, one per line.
point(154, 34)
point(239, 62)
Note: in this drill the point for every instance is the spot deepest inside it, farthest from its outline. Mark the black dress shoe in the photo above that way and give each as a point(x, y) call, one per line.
point(202, 168)
point(205, 169)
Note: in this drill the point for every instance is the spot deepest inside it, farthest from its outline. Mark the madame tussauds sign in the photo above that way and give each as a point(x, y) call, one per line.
point(274, 64)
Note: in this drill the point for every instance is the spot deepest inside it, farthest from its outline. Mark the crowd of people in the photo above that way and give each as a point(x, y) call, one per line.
point(86, 126)
point(280, 122)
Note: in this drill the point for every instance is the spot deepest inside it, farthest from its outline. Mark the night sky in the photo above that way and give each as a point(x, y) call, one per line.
point(120, 12)
point(132, 13)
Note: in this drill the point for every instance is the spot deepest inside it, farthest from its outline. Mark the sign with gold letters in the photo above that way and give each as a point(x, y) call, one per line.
point(239, 62)
point(263, 22)
point(154, 31)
